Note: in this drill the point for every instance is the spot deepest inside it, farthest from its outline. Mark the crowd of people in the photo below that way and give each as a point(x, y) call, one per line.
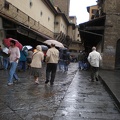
point(21, 60)
point(24, 59)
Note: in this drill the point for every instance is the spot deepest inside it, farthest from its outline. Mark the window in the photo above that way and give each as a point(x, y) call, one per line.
point(94, 11)
point(48, 18)
point(6, 5)
point(31, 3)
point(41, 13)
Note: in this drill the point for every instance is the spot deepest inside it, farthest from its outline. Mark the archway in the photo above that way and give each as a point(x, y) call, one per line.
point(117, 61)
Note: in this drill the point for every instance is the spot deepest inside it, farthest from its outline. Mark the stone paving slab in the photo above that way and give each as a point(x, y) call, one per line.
point(86, 101)
point(73, 97)
point(111, 79)
point(27, 101)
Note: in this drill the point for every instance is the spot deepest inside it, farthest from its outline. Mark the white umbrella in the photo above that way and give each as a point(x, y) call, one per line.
point(57, 44)
point(5, 50)
point(28, 47)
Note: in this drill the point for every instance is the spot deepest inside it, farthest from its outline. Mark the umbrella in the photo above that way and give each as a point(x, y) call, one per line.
point(63, 48)
point(7, 43)
point(44, 47)
point(5, 50)
point(57, 44)
point(28, 47)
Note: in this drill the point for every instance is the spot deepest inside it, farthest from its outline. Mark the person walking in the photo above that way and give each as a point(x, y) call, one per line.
point(23, 59)
point(1, 58)
point(14, 57)
point(29, 58)
point(94, 59)
point(36, 63)
point(66, 60)
point(5, 60)
point(60, 62)
point(52, 57)
point(80, 61)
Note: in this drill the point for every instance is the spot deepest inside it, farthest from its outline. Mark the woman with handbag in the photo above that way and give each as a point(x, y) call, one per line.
point(36, 63)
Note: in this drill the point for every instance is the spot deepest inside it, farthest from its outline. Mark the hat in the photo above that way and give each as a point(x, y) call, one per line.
point(39, 48)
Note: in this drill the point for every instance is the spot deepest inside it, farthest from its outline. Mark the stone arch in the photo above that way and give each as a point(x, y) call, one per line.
point(117, 60)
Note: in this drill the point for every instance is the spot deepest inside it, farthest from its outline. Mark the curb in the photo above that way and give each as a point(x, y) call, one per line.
point(117, 103)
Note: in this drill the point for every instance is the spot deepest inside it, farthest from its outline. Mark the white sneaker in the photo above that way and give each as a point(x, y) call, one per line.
point(37, 82)
point(9, 84)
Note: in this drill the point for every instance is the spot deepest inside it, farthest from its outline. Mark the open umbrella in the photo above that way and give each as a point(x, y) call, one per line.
point(57, 44)
point(6, 42)
point(28, 47)
point(44, 47)
point(5, 50)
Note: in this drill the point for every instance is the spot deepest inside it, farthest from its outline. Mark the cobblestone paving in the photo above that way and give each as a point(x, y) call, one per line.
point(72, 97)
point(85, 100)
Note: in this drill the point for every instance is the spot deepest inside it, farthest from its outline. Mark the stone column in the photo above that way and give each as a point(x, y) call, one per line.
point(110, 34)
point(2, 32)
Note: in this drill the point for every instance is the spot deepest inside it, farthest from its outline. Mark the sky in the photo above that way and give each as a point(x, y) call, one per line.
point(78, 9)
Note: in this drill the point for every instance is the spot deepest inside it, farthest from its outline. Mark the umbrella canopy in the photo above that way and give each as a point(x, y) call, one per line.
point(5, 50)
point(28, 47)
point(57, 44)
point(63, 48)
point(6, 42)
point(44, 47)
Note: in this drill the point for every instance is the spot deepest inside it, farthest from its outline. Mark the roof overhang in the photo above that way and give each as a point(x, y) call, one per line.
point(92, 32)
point(26, 28)
point(50, 6)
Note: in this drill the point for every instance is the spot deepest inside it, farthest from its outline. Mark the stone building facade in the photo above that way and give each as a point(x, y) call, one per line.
point(92, 10)
point(34, 22)
point(104, 33)
point(63, 5)
point(111, 51)
point(27, 23)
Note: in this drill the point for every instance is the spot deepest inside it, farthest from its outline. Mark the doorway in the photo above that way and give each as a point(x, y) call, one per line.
point(117, 61)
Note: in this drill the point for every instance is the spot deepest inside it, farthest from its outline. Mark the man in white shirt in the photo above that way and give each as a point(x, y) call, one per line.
point(94, 59)
point(14, 57)
point(52, 57)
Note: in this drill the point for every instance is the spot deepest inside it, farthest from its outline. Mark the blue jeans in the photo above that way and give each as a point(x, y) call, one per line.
point(65, 66)
point(5, 63)
point(81, 65)
point(22, 65)
point(60, 64)
point(1, 61)
point(12, 72)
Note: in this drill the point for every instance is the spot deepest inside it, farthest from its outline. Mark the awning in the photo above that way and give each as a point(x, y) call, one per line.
point(91, 32)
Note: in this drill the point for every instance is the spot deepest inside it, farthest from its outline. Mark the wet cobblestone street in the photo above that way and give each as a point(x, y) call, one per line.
point(73, 97)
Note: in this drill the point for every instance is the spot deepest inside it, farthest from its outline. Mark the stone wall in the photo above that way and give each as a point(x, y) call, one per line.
point(112, 32)
point(2, 33)
point(63, 5)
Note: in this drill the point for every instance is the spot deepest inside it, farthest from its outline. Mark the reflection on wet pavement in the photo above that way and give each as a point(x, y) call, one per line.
point(72, 97)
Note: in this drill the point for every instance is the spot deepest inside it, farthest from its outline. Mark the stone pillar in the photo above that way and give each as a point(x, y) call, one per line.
point(2, 32)
point(111, 36)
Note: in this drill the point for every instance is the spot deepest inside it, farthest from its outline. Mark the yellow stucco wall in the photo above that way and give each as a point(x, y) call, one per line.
point(61, 26)
point(47, 17)
point(91, 8)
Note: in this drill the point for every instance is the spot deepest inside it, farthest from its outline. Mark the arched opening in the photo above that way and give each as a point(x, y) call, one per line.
point(117, 61)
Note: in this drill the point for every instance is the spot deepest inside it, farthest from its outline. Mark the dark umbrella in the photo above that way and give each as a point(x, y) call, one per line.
point(44, 47)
